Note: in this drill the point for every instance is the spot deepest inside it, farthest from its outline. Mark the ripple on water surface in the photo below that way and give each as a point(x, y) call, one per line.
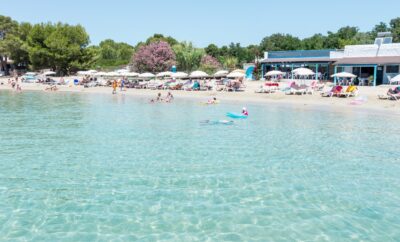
point(87, 167)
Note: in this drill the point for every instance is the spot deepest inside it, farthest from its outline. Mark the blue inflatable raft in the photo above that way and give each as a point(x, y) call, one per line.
point(236, 115)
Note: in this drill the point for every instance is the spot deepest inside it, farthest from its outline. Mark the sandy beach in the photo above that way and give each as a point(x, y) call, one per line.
point(247, 96)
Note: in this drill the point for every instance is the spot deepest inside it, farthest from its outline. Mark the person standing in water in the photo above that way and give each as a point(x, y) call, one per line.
point(169, 97)
point(122, 84)
point(114, 86)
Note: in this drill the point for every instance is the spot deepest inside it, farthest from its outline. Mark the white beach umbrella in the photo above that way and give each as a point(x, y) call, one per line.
point(49, 73)
point(101, 73)
point(179, 75)
point(221, 73)
point(303, 72)
point(111, 73)
point(236, 74)
point(164, 74)
point(147, 75)
point(91, 71)
point(122, 71)
point(131, 74)
point(344, 75)
point(82, 73)
point(395, 79)
point(198, 74)
point(274, 73)
point(239, 70)
point(30, 73)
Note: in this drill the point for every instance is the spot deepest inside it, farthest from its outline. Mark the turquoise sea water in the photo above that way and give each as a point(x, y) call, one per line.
point(92, 167)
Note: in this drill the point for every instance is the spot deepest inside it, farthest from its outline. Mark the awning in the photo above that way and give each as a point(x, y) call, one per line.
point(379, 60)
point(298, 60)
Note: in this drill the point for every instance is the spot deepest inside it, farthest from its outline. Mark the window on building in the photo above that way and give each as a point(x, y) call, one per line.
point(392, 69)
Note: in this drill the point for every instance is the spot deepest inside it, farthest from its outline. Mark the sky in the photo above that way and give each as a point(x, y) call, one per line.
point(204, 21)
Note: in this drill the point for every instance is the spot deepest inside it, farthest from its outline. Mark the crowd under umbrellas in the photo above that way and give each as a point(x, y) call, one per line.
point(196, 80)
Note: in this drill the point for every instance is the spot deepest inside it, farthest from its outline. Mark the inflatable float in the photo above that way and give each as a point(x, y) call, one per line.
point(236, 115)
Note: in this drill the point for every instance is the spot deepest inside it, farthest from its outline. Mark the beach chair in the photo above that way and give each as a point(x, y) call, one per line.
point(351, 91)
point(299, 90)
point(312, 88)
point(336, 90)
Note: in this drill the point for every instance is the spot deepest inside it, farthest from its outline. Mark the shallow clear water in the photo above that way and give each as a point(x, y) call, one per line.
point(88, 167)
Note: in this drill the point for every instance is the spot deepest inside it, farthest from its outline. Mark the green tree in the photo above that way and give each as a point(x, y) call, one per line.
point(230, 62)
point(8, 36)
point(395, 29)
point(112, 54)
point(277, 42)
point(315, 42)
point(212, 50)
point(381, 27)
point(159, 37)
point(187, 56)
point(253, 52)
point(59, 46)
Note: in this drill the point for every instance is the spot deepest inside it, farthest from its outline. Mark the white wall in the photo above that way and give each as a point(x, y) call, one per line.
point(372, 50)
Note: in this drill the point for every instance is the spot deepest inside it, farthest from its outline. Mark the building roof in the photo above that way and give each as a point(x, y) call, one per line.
point(306, 59)
point(378, 60)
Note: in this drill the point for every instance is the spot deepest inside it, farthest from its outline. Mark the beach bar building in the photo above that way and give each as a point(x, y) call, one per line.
point(373, 64)
point(320, 61)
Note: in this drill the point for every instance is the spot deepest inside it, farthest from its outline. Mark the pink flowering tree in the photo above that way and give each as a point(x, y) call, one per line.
point(154, 57)
point(209, 64)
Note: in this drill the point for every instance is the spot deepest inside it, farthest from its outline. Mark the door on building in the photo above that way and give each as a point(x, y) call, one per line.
point(379, 75)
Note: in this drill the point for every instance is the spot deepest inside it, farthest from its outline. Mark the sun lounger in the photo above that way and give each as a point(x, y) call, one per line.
point(299, 90)
point(335, 91)
point(351, 91)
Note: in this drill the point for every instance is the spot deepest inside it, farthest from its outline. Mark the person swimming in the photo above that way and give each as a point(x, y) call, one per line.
point(157, 99)
point(212, 101)
point(245, 112)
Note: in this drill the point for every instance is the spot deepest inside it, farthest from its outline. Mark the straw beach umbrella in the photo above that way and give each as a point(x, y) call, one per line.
point(198, 74)
point(236, 74)
point(221, 73)
point(239, 70)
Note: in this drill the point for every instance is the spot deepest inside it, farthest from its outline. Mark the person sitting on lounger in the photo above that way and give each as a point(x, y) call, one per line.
point(196, 86)
point(392, 91)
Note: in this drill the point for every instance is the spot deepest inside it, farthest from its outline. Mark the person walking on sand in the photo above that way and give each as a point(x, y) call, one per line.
point(114, 86)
